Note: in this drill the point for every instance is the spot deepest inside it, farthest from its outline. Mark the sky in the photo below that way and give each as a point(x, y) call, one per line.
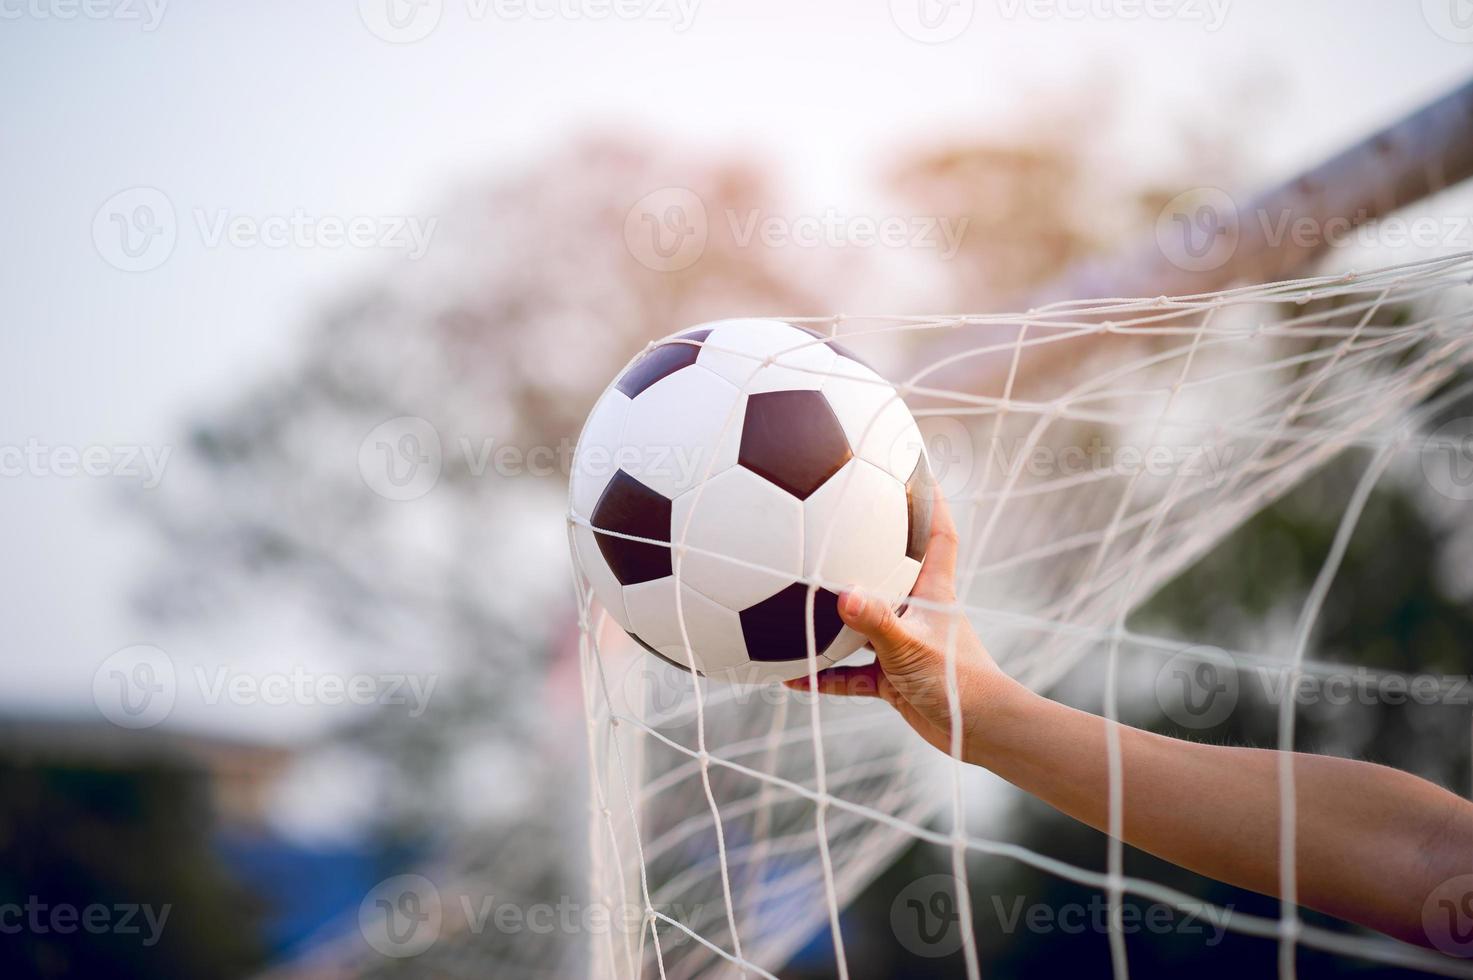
point(250, 112)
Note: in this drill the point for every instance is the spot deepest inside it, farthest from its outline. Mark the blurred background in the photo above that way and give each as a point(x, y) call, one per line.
point(252, 672)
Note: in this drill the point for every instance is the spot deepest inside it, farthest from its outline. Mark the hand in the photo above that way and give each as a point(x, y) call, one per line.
point(910, 666)
point(1213, 809)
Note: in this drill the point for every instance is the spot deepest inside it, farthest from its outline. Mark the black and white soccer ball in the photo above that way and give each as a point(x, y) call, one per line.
point(772, 458)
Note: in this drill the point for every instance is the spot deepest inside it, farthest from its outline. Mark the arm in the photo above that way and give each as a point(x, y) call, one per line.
point(1372, 843)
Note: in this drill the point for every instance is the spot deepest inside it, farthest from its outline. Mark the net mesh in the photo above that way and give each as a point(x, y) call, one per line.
point(1091, 452)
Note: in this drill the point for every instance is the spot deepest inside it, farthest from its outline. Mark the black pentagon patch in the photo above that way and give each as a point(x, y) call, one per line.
point(833, 345)
point(920, 497)
point(776, 628)
point(650, 649)
point(629, 507)
point(793, 439)
point(661, 362)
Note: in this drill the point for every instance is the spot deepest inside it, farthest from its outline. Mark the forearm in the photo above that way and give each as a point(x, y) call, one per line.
point(1371, 843)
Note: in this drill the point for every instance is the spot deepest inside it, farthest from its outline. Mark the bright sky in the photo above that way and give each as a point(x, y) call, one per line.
point(271, 107)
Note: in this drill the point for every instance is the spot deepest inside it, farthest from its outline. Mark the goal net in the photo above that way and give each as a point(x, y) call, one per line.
point(1096, 451)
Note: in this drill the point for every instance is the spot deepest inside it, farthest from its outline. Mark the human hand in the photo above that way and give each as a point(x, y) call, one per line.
point(910, 667)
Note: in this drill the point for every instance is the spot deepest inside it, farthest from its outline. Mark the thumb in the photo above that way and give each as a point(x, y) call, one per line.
point(897, 648)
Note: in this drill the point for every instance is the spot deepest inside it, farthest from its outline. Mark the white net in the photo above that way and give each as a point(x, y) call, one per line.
point(1091, 452)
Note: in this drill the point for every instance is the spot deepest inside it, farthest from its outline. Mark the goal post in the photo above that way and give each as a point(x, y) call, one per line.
point(743, 822)
point(1421, 154)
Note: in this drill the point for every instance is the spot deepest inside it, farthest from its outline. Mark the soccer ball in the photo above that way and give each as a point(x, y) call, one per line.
point(726, 469)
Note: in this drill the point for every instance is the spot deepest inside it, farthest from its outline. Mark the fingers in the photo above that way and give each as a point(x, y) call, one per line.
point(937, 581)
point(853, 682)
point(872, 617)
